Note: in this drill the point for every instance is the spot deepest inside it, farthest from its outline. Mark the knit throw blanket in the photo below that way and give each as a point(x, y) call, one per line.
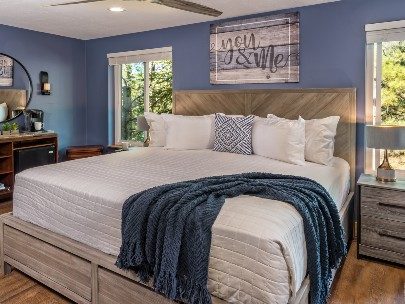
point(166, 230)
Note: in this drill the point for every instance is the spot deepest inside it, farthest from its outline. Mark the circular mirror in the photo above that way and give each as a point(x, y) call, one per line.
point(15, 88)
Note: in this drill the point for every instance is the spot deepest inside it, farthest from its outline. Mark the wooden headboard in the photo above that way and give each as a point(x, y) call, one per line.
point(288, 103)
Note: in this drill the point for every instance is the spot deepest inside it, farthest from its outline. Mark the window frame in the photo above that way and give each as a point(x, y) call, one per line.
point(117, 60)
point(376, 34)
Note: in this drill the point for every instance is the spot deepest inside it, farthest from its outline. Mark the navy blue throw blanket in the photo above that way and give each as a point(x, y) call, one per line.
point(166, 230)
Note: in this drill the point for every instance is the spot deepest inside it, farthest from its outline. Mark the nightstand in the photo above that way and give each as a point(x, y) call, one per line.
point(381, 223)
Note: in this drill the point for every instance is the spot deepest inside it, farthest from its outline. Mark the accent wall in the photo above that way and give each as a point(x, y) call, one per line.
point(332, 55)
point(64, 60)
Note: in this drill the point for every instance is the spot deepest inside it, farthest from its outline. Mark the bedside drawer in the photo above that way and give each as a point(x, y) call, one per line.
point(387, 236)
point(382, 254)
point(383, 203)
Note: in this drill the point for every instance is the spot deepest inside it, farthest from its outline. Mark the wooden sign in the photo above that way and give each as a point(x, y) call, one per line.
point(258, 50)
point(6, 71)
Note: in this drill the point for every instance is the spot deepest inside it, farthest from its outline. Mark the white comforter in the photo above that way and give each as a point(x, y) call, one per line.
point(258, 252)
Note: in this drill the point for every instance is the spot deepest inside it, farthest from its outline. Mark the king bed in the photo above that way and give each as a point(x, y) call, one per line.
point(65, 230)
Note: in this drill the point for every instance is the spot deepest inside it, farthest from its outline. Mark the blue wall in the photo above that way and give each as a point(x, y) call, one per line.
point(332, 55)
point(64, 59)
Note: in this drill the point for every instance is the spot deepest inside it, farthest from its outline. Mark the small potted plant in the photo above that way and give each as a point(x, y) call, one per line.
point(15, 128)
point(6, 128)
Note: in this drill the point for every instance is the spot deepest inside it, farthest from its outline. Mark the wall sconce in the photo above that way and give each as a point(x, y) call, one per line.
point(45, 85)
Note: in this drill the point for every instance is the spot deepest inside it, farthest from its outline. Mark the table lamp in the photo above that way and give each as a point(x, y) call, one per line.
point(143, 125)
point(387, 138)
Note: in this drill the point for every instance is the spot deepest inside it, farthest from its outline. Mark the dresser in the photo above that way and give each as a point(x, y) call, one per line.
point(381, 223)
point(11, 146)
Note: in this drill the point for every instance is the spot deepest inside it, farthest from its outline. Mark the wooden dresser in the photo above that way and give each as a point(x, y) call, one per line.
point(381, 225)
point(9, 145)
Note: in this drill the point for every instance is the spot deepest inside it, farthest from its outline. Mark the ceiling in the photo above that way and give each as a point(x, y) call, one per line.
point(93, 20)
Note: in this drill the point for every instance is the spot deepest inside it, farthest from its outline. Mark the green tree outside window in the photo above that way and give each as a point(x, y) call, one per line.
point(133, 94)
point(393, 92)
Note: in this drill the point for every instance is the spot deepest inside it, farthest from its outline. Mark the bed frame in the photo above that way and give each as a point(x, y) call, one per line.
point(86, 275)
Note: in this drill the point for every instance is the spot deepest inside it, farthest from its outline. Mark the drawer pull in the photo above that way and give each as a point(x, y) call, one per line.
point(391, 205)
point(384, 234)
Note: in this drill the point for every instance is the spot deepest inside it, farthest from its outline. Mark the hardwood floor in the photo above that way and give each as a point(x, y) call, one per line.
point(17, 288)
point(359, 282)
point(366, 282)
point(6, 207)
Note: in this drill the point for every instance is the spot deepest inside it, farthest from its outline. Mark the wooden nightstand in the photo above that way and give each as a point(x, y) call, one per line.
point(79, 152)
point(381, 224)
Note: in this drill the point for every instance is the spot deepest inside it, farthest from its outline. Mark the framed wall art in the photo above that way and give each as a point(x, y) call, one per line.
point(6, 71)
point(257, 50)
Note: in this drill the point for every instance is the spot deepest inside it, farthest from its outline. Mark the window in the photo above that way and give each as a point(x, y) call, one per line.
point(142, 83)
point(385, 86)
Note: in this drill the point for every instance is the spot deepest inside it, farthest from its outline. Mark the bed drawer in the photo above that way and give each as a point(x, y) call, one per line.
point(115, 289)
point(383, 203)
point(68, 271)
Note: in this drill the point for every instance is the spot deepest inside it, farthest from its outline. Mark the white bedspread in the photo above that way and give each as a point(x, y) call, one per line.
point(258, 252)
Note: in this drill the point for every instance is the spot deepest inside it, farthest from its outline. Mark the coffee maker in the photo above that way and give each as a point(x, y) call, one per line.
point(30, 117)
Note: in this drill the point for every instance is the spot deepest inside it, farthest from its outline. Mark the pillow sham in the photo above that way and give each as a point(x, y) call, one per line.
point(157, 131)
point(233, 134)
point(189, 132)
point(320, 139)
point(280, 139)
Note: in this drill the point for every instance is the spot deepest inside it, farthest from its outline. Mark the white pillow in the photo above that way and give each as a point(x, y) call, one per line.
point(157, 131)
point(280, 139)
point(189, 132)
point(320, 139)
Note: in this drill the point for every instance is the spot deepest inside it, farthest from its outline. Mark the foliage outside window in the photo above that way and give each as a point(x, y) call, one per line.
point(393, 92)
point(139, 94)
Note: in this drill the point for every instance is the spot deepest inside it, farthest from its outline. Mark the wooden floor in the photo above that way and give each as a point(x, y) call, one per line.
point(360, 282)
point(6, 207)
point(17, 288)
point(366, 282)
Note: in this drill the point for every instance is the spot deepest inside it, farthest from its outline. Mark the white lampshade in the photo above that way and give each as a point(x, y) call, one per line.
point(385, 137)
point(3, 112)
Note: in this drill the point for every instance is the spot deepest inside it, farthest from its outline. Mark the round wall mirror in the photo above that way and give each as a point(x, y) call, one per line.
point(15, 88)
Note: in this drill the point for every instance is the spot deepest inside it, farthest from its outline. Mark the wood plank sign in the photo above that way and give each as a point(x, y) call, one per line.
point(258, 50)
point(6, 71)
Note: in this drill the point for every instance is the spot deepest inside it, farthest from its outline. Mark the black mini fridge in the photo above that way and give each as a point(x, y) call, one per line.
point(25, 158)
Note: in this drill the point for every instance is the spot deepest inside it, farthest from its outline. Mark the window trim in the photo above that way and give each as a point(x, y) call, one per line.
point(117, 60)
point(117, 103)
point(385, 25)
point(376, 34)
point(139, 55)
point(385, 31)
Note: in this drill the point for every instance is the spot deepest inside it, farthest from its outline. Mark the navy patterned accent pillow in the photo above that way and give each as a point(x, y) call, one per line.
point(233, 134)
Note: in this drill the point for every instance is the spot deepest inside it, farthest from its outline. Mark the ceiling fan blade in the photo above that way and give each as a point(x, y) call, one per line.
point(189, 7)
point(76, 2)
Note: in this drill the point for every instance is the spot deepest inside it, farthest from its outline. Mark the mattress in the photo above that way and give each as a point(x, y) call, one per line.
point(258, 251)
